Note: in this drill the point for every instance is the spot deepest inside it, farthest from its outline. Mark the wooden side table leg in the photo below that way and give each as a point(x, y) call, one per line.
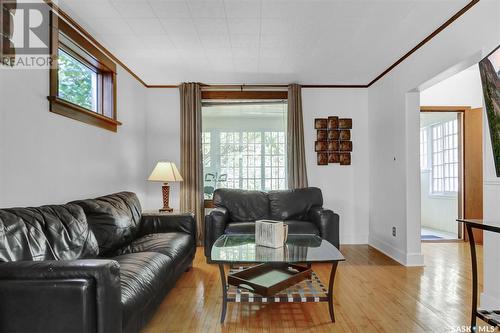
point(330, 292)
point(474, 277)
point(224, 293)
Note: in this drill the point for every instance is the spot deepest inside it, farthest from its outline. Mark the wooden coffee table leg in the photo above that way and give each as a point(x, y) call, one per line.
point(330, 291)
point(224, 293)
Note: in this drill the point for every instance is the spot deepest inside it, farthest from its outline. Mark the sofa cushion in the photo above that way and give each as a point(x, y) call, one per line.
point(57, 232)
point(176, 245)
point(294, 228)
point(242, 205)
point(142, 277)
point(114, 219)
point(294, 204)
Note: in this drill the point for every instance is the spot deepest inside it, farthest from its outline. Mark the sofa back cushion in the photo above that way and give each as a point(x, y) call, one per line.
point(294, 204)
point(242, 205)
point(114, 219)
point(45, 233)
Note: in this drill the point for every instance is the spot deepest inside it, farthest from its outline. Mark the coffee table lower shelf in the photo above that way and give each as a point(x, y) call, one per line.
point(307, 291)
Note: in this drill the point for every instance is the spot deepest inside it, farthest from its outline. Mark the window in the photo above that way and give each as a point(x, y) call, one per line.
point(424, 149)
point(444, 175)
point(77, 82)
point(206, 149)
point(244, 145)
point(82, 80)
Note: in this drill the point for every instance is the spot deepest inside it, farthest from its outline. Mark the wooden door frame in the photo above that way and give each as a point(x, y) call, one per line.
point(461, 144)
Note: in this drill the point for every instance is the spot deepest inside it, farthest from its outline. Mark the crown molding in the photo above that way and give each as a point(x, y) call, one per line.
point(85, 33)
point(425, 40)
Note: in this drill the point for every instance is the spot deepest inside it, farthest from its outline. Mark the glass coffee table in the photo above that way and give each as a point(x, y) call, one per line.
point(236, 249)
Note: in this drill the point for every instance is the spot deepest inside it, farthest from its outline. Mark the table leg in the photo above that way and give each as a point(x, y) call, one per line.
point(330, 292)
point(224, 292)
point(472, 244)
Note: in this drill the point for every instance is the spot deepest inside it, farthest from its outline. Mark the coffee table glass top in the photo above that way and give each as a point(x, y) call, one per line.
point(236, 248)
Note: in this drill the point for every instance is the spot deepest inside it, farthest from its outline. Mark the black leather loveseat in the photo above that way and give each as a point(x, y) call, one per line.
point(237, 210)
point(94, 265)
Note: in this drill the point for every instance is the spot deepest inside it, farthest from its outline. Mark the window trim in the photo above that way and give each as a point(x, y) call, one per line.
point(244, 94)
point(65, 37)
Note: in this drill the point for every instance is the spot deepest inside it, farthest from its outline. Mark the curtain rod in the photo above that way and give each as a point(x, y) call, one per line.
point(250, 87)
point(243, 102)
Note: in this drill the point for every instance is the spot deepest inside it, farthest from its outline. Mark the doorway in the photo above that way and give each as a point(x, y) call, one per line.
point(450, 169)
point(440, 178)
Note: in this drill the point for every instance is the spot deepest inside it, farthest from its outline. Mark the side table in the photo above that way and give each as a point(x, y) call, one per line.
point(491, 317)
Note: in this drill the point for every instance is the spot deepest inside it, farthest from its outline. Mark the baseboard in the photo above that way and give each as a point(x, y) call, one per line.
point(410, 259)
point(387, 249)
point(414, 259)
point(488, 301)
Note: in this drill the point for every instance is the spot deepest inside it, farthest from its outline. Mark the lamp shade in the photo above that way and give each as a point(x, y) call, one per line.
point(165, 172)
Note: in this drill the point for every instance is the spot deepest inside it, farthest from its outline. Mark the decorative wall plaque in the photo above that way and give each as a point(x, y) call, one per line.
point(333, 135)
point(322, 158)
point(320, 123)
point(333, 143)
point(322, 135)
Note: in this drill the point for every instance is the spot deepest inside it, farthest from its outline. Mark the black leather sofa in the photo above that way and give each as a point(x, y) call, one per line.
point(94, 265)
point(237, 210)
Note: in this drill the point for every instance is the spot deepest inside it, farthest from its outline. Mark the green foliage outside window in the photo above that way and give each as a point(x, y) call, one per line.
point(76, 82)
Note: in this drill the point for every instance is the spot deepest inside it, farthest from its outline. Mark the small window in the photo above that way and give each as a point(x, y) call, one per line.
point(82, 80)
point(77, 82)
point(444, 176)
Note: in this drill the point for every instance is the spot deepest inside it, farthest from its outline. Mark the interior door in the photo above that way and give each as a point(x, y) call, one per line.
point(473, 168)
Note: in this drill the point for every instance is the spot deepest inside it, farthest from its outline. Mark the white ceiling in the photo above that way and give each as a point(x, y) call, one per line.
point(260, 41)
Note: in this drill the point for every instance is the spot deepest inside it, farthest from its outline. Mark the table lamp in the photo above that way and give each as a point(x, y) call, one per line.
point(165, 172)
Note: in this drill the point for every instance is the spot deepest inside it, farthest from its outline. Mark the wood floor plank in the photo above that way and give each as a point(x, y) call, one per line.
point(372, 293)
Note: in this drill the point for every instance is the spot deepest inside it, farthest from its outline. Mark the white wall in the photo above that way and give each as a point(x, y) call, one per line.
point(46, 158)
point(394, 107)
point(490, 298)
point(461, 89)
point(163, 141)
point(437, 212)
point(345, 188)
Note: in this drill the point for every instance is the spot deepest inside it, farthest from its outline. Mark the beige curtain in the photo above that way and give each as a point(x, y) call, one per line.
point(191, 156)
point(297, 173)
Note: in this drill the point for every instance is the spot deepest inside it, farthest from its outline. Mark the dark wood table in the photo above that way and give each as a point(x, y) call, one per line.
point(491, 317)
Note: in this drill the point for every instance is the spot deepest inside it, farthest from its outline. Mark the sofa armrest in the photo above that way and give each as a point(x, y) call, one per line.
point(46, 290)
point(328, 224)
point(161, 223)
point(215, 224)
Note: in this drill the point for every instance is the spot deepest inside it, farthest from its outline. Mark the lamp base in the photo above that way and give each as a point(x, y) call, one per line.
point(166, 194)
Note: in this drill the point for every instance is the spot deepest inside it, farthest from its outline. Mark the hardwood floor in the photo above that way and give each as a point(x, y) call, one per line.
point(372, 294)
